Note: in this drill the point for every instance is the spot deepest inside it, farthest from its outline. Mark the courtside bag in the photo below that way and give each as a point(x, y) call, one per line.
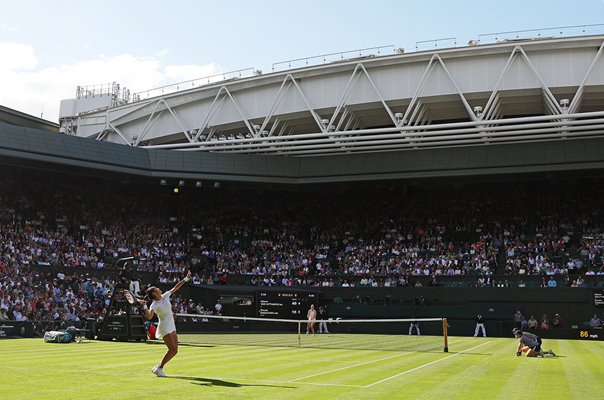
point(57, 337)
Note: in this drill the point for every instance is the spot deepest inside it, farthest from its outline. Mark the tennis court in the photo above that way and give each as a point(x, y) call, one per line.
point(474, 368)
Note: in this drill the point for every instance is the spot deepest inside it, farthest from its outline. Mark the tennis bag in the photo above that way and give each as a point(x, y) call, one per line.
point(57, 337)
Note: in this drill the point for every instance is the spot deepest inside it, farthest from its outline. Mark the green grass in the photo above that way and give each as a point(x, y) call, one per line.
point(474, 368)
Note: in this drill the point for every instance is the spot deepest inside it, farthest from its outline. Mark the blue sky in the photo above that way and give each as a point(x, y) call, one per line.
point(48, 48)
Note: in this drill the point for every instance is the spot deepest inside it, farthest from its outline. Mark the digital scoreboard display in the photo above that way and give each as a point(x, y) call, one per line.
point(285, 304)
point(599, 297)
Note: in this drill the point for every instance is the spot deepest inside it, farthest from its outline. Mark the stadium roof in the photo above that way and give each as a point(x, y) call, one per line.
point(513, 91)
point(14, 117)
point(35, 148)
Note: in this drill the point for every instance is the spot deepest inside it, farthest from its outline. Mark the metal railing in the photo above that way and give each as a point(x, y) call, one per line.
point(119, 96)
point(185, 85)
point(435, 44)
point(542, 33)
point(335, 57)
point(97, 90)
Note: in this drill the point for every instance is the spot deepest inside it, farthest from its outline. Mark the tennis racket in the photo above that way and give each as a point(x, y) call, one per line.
point(133, 301)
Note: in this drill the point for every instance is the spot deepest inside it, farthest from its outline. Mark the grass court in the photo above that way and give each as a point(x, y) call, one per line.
point(474, 368)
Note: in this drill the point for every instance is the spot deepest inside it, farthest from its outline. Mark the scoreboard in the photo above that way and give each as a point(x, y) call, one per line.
point(285, 304)
point(591, 333)
point(598, 297)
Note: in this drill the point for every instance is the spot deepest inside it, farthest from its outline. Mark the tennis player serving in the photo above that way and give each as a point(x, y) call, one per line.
point(166, 329)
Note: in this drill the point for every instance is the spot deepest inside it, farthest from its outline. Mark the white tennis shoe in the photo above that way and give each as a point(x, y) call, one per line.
point(158, 371)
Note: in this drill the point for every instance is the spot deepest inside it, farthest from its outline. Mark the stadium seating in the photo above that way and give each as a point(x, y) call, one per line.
point(466, 235)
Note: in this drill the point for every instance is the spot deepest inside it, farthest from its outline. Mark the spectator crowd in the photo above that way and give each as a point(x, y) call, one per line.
point(490, 234)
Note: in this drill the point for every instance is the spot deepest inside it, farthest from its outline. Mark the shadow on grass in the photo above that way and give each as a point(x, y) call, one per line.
point(181, 344)
point(217, 382)
point(195, 345)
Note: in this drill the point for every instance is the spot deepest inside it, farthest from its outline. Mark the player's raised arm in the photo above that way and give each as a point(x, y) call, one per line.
point(179, 284)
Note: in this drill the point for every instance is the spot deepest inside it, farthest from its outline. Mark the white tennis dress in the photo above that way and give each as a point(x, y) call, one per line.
point(163, 309)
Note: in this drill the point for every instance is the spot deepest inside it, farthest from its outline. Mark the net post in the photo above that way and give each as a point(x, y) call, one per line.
point(299, 335)
point(445, 335)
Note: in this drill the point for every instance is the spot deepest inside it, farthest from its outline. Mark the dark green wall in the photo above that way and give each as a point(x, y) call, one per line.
point(458, 305)
point(37, 148)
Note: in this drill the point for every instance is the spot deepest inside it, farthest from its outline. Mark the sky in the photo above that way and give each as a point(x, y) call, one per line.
point(48, 48)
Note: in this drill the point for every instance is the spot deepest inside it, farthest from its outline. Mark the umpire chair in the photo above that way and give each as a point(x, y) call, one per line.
point(123, 321)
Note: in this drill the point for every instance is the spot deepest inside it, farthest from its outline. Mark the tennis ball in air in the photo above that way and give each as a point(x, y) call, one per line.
point(175, 190)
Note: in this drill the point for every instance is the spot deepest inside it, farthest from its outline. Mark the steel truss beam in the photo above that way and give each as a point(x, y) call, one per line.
point(506, 130)
point(345, 130)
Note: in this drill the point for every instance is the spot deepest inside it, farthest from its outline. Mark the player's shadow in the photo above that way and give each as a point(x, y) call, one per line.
point(182, 344)
point(195, 345)
point(218, 382)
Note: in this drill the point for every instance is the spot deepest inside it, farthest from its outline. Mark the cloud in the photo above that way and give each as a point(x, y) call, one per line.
point(17, 56)
point(40, 90)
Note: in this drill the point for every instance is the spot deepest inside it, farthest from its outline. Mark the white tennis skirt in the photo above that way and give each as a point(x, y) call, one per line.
point(165, 327)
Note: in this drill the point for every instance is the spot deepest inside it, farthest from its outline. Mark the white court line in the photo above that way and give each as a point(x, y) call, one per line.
point(422, 366)
point(360, 364)
point(332, 384)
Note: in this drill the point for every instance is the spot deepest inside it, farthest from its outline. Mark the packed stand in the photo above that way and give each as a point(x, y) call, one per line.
point(345, 237)
point(50, 300)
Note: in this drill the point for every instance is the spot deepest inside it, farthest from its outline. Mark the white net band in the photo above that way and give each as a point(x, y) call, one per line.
point(330, 320)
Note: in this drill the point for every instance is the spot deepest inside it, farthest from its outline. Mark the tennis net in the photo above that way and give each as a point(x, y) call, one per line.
point(420, 334)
